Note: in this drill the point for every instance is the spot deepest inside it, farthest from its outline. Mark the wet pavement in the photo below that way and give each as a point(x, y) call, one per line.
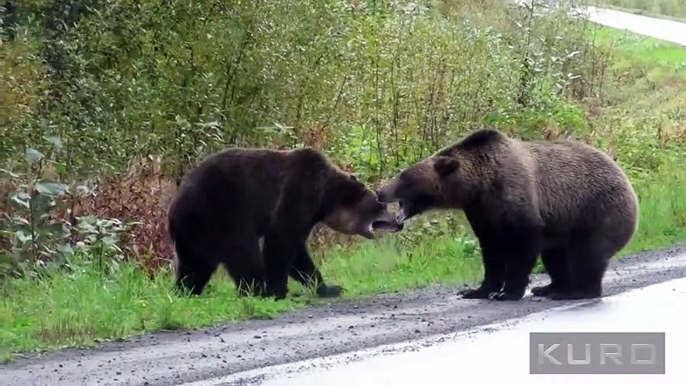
point(498, 353)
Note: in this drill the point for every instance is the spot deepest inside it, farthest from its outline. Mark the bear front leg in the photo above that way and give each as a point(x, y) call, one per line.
point(524, 247)
point(306, 273)
point(494, 270)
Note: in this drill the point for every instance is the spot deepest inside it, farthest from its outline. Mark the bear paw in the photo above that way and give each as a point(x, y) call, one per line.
point(273, 291)
point(507, 296)
point(543, 290)
point(477, 293)
point(573, 295)
point(329, 291)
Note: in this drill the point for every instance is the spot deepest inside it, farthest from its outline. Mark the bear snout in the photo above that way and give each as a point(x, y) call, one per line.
point(383, 196)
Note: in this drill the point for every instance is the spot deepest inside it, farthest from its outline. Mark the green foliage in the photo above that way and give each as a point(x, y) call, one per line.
point(377, 86)
point(127, 79)
point(82, 303)
point(41, 242)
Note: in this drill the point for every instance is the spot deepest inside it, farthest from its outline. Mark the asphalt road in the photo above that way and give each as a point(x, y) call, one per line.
point(499, 354)
point(667, 30)
point(176, 358)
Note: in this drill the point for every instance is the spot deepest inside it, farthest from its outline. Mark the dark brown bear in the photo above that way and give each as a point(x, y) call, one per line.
point(238, 196)
point(562, 199)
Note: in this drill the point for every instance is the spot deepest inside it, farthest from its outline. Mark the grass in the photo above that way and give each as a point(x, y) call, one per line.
point(663, 210)
point(639, 49)
point(78, 309)
point(669, 9)
point(649, 99)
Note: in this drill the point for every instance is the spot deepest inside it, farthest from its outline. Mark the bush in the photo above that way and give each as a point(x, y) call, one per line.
point(135, 92)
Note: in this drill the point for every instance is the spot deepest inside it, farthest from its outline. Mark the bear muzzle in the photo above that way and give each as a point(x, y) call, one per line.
point(387, 226)
point(387, 222)
point(387, 194)
point(407, 210)
point(383, 197)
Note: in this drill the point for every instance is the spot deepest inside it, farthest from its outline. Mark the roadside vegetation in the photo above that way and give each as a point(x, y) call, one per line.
point(671, 9)
point(104, 105)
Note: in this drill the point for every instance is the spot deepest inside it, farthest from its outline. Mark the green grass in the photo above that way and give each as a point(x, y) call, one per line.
point(650, 80)
point(663, 210)
point(642, 49)
point(79, 308)
point(647, 100)
point(671, 9)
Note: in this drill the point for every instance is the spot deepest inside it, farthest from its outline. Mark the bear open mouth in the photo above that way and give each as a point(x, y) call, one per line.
point(402, 216)
point(387, 226)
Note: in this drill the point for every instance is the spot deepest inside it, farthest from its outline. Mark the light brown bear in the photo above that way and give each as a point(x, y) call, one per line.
point(562, 199)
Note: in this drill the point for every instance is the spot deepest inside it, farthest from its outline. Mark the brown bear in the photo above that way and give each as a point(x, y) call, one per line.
point(238, 197)
point(562, 199)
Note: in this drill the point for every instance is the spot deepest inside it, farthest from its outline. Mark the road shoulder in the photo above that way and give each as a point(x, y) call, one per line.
point(335, 328)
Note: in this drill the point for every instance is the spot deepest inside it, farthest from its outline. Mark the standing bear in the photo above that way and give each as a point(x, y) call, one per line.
point(562, 199)
point(238, 196)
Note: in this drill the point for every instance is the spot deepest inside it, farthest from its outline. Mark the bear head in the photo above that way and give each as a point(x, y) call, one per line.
point(355, 209)
point(432, 183)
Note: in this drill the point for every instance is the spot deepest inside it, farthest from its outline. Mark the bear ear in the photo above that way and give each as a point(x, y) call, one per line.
point(445, 166)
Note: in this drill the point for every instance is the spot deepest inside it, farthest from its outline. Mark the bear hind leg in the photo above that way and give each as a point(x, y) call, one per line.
point(279, 252)
point(193, 278)
point(588, 261)
point(193, 269)
point(556, 263)
point(305, 272)
point(241, 259)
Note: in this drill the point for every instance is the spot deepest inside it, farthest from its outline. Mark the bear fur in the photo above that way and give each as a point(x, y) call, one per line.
point(240, 197)
point(564, 200)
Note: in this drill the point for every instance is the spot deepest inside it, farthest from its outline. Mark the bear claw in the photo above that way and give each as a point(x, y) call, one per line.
point(329, 291)
point(502, 295)
point(477, 293)
point(572, 295)
point(544, 290)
